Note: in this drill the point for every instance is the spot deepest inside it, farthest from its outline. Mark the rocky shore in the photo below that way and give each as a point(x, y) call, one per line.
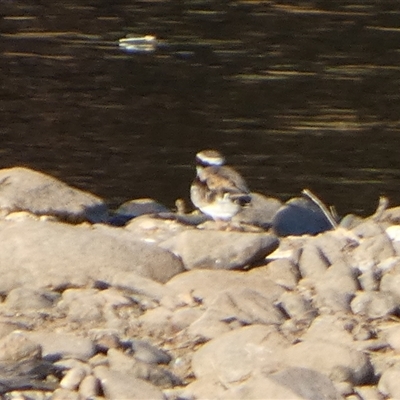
point(147, 303)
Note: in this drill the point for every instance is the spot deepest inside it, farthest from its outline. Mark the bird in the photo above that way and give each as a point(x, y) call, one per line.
point(218, 190)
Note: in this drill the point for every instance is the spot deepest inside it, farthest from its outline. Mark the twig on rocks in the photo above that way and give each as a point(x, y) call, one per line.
point(311, 196)
point(382, 206)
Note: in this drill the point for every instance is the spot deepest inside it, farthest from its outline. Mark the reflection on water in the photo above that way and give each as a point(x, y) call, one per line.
point(295, 96)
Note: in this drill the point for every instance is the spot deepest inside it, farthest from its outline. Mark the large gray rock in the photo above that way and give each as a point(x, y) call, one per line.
point(56, 255)
point(290, 383)
point(23, 189)
point(118, 385)
point(260, 211)
point(220, 249)
point(235, 355)
point(337, 361)
point(56, 345)
point(205, 285)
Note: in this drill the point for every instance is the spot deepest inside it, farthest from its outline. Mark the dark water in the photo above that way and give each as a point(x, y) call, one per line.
point(296, 94)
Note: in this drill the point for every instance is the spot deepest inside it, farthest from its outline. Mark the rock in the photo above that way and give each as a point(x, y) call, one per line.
point(65, 394)
point(23, 298)
point(6, 327)
point(140, 285)
point(338, 362)
point(390, 282)
point(62, 345)
point(283, 272)
point(300, 216)
point(147, 353)
point(389, 383)
point(73, 378)
point(155, 230)
point(45, 254)
point(89, 387)
point(83, 305)
point(17, 346)
point(374, 304)
point(183, 317)
point(297, 307)
point(367, 393)
point(393, 338)
point(118, 385)
point(204, 388)
point(333, 328)
point(247, 306)
point(290, 383)
point(23, 189)
point(260, 211)
point(136, 207)
point(225, 250)
point(335, 289)
point(124, 363)
point(105, 339)
point(312, 261)
point(234, 356)
point(156, 321)
point(373, 250)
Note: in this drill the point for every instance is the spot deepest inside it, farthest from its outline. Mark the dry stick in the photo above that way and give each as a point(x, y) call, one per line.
point(321, 205)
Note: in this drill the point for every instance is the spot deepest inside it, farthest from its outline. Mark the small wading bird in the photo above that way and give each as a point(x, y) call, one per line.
point(218, 190)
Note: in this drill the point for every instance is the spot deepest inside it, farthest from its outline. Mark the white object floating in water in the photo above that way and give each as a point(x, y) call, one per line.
point(139, 44)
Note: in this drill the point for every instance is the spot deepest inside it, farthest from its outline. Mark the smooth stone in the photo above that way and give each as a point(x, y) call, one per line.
point(156, 321)
point(24, 189)
point(82, 305)
point(89, 387)
point(150, 229)
point(141, 285)
point(148, 353)
point(389, 383)
point(368, 229)
point(62, 345)
point(300, 216)
point(260, 211)
point(18, 346)
point(118, 385)
point(367, 393)
point(24, 298)
point(374, 304)
point(105, 339)
point(46, 254)
point(225, 250)
point(73, 378)
point(312, 261)
point(290, 383)
point(136, 207)
point(390, 282)
point(297, 307)
point(234, 355)
point(283, 272)
point(373, 249)
point(185, 316)
point(204, 388)
point(334, 328)
point(337, 361)
point(65, 394)
point(7, 326)
point(208, 326)
point(124, 363)
point(392, 336)
point(335, 289)
point(247, 306)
